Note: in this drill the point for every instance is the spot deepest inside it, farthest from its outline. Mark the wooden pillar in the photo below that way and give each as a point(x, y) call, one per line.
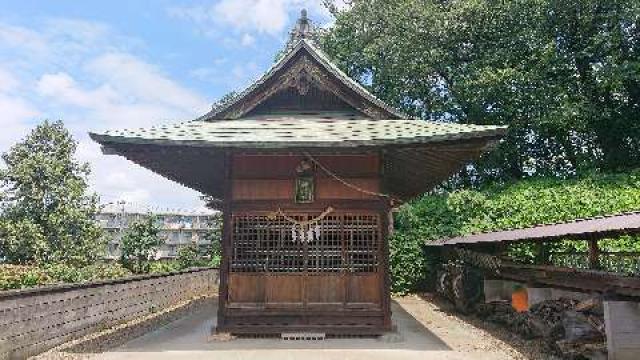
point(386, 216)
point(542, 253)
point(223, 290)
point(387, 219)
point(594, 254)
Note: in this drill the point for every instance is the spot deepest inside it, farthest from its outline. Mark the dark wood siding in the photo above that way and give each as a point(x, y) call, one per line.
point(335, 282)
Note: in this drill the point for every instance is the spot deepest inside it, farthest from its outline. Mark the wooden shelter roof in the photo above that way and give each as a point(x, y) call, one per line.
point(597, 227)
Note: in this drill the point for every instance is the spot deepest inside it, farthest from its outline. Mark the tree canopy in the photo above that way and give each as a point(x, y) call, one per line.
point(47, 213)
point(563, 74)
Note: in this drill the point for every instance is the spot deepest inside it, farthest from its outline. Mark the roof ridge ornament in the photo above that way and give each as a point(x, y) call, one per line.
point(304, 29)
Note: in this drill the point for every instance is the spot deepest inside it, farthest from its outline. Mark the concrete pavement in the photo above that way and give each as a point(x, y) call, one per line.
point(189, 338)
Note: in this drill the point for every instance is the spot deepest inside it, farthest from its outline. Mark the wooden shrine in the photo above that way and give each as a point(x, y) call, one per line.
point(306, 165)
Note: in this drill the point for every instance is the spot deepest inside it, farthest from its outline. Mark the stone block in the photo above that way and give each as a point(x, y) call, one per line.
point(537, 295)
point(622, 324)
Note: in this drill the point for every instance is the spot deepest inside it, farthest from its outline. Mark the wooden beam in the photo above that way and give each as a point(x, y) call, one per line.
point(572, 279)
point(594, 253)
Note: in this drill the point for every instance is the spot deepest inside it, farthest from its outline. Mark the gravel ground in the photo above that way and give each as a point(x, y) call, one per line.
point(467, 333)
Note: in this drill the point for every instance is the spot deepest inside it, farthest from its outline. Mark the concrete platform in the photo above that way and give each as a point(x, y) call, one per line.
point(190, 338)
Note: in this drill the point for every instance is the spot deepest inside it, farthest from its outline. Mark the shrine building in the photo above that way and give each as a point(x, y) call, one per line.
point(306, 165)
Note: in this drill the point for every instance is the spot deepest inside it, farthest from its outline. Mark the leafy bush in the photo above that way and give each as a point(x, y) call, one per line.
point(407, 262)
point(164, 266)
point(19, 277)
point(22, 276)
point(497, 207)
point(190, 256)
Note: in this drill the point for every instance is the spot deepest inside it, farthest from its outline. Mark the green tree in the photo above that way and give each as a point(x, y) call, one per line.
point(563, 74)
point(47, 213)
point(214, 237)
point(139, 244)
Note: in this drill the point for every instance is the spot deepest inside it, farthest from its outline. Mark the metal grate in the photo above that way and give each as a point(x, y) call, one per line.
point(344, 242)
point(303, 336)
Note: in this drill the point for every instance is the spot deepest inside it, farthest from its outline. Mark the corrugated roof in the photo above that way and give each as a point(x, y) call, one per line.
point(283, 132)
point(601, 227)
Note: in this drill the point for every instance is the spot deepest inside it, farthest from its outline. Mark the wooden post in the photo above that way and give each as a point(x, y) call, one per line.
point(542, 253)
point(223, 291)
point(386, 218)
point(594, 254)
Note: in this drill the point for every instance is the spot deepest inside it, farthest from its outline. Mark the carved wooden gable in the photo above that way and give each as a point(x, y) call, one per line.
point(304, 81)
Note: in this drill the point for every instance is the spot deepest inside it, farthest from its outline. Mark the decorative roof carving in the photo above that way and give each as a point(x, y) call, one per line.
point(308, 62)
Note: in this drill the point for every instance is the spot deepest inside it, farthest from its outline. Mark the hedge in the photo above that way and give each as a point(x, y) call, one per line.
point(499, 207)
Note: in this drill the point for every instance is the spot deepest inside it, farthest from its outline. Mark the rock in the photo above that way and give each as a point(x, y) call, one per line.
point(578, 327)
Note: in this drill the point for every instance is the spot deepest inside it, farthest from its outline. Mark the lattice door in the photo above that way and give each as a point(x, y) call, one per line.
point(343, 242)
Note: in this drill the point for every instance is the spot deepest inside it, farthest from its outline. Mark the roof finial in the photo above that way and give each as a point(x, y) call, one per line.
point(303, 29)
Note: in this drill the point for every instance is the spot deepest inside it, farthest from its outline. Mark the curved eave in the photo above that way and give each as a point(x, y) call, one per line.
point(493, 133)
point(410, 169)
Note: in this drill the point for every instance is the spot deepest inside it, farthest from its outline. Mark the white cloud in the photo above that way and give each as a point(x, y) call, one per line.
point(15, 115)
point(247, 40)
point(143, 82)
point(61, 87)
point(80, 72)
point(15, 111)
point(23, 38)
point(269, 16)
point(248, 16)
point(8, 81)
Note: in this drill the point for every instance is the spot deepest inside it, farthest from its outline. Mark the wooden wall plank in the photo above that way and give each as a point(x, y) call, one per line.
point(41, 319)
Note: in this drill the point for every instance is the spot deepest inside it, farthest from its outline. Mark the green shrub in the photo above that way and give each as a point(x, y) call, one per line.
point(497, 207)
point(20, 277)
point(407, 262)
point(164, 266)
point(189, 256)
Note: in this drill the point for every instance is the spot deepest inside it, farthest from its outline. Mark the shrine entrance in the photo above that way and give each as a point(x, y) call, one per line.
point(331, 262)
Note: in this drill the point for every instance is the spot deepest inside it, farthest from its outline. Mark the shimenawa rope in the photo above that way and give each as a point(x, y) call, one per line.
point(348, 184)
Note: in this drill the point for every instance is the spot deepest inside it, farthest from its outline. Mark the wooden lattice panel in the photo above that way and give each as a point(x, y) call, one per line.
point(347, 242)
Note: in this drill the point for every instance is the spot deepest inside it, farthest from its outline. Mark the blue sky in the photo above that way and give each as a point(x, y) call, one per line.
point(111, 64)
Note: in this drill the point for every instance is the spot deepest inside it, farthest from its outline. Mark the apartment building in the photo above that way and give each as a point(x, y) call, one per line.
point(177, 227)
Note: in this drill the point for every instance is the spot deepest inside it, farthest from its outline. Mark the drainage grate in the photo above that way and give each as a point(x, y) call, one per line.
point(302, 336)
point(352, 336)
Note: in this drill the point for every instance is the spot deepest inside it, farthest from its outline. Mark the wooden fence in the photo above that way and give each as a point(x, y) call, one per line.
point(34, 320)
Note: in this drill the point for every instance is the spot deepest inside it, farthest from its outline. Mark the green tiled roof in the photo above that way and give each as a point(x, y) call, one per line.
point(290, 132)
